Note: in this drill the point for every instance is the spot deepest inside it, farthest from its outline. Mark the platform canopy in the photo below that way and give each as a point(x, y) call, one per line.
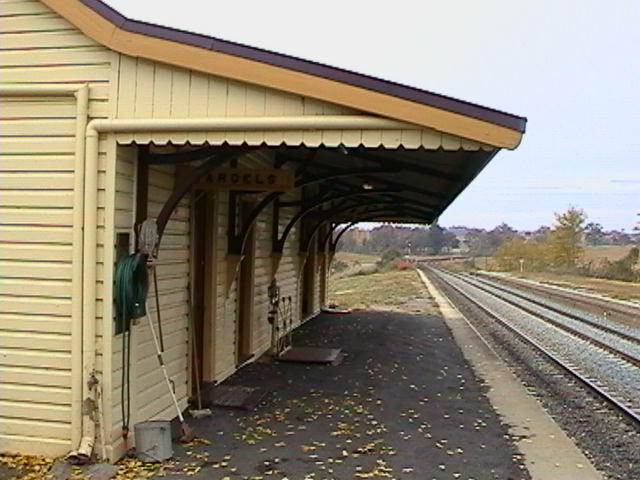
point(408, 171)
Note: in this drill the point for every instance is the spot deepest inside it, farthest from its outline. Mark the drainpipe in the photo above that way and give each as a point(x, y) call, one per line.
point(95, 128)
point(82, 114)
point(89, 247)
point(81, 93)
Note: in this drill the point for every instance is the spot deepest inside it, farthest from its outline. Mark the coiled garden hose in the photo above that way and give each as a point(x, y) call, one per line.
point(131, 287)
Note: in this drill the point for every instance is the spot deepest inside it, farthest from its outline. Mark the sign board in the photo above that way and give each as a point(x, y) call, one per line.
point(253, 179)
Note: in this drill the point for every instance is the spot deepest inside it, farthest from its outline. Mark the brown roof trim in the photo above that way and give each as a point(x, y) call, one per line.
point(313, 68)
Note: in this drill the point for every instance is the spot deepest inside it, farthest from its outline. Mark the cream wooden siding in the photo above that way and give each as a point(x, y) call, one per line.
point(149, 395)
point(260, 327)
point(289, 275)
point(36, 222)
point(226, 306)
point(226, 297)
point(154, 90)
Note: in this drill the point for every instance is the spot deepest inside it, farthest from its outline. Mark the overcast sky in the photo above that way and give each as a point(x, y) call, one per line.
point(572, 67)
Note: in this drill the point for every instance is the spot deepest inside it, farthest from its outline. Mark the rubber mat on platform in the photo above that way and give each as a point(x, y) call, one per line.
point(331, 356)
point(235, 396)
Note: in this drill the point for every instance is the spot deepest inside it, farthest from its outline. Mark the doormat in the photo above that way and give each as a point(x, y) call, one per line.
point(327, 356)
point(235, 396)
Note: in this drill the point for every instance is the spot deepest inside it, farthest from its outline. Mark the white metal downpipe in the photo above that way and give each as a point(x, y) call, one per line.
point(77, 319)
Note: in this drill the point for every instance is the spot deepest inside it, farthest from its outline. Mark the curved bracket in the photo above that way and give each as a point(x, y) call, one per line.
point(192, 179)
point(279, 245)
point(381, 207)
point(236, 245)
point(334, 242)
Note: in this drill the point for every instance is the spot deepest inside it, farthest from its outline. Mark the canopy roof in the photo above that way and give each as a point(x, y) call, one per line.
point(385, 185)
point(352, 182)
point(273, 70)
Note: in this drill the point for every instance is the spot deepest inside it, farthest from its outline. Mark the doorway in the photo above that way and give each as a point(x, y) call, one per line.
point(203, 288)
point(308, 283)
point(246, 291)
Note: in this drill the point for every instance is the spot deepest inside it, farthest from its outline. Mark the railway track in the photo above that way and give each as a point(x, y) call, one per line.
point(625, 312)
point(610, 367)
point(617, 341)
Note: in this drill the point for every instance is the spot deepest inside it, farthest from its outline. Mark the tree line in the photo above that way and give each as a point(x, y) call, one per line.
point(559, 247)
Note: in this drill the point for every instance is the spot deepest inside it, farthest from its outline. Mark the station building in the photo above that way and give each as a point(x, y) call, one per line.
point(250, 162)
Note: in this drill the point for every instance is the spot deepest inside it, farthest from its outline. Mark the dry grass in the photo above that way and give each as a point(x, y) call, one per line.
point(362, 258)
point(355, 264)
point(397, 290)
point(609, 252)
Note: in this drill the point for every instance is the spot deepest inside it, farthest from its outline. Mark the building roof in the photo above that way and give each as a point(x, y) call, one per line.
point(284, 72)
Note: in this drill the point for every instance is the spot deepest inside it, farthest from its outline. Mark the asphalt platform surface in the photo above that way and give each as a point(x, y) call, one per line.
point(403, 404)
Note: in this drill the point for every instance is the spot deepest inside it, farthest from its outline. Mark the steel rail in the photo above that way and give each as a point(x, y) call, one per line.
point(584, 336)
point(581, 297)
point(520, 294)
point(618, 404)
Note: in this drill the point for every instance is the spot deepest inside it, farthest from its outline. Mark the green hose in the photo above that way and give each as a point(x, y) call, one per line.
point(131, 287)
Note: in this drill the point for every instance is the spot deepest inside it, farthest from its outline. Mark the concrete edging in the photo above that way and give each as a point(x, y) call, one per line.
point(549, 454)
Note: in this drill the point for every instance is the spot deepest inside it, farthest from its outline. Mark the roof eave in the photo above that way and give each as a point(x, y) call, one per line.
point(217, 57)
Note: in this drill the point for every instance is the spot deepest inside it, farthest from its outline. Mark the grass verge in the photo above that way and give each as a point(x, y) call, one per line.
point(398, 290)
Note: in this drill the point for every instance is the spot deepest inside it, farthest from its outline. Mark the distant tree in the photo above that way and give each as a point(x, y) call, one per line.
point(616, 237)
point(626, 269)
point(518, 253)
point(566, 237)
point(541, 234)
point(482, 243)
point(435, 239)
point(450, 240)
point(594, 235)
point(504, 231)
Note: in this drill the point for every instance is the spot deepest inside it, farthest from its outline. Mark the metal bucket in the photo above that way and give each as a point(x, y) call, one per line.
point(153, 441)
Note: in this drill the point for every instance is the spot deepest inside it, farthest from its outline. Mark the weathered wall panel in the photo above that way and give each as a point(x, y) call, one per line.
point(149, 397)
point(36, 222)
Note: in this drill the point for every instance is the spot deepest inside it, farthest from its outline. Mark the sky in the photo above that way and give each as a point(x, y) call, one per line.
point(572, 67)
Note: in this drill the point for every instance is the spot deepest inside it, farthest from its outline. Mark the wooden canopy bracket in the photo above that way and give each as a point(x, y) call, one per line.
point(233, 267)
point(333, 241)
point(222, 156)
point(318, 202)
point(303, 257)
point(276, 257)
point(236, 241)
point(373, 210)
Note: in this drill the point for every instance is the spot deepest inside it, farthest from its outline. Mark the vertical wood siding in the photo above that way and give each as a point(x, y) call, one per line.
point(149, 397)
point(36, 222)
point(226, 297)
point(154, 90)
point(226, 313)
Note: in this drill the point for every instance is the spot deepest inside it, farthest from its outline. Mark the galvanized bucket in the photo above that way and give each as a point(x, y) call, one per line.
point(153, 441)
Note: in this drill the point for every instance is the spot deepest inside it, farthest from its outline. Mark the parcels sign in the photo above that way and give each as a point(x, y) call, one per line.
point(255, 179)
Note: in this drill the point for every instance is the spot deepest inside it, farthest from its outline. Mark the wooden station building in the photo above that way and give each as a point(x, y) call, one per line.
point(251, 162)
